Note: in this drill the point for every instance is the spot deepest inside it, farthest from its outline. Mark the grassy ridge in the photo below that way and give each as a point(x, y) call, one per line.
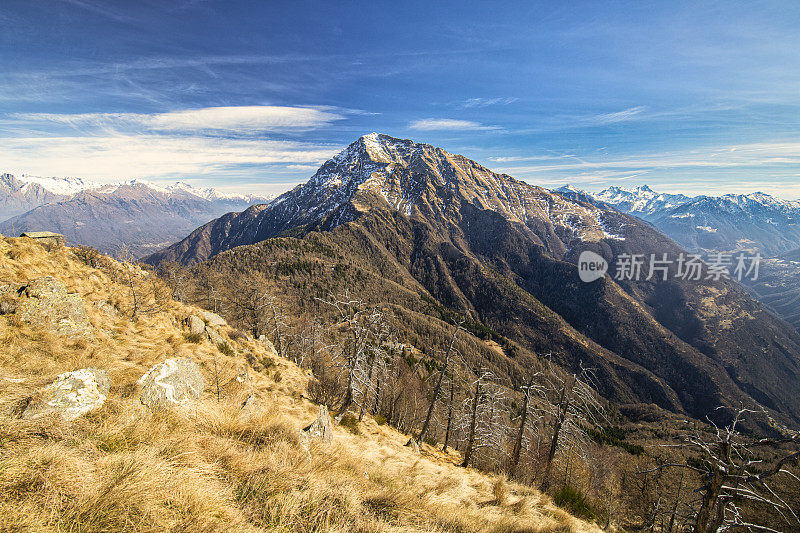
point(212, 467)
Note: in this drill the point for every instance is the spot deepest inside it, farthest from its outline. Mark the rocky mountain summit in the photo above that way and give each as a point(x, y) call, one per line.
point(417, 180)
point(18, 196)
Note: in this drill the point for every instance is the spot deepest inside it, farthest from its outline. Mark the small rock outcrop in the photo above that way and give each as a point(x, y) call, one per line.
point(171, 383)
point(213, 319)
point(215, 337)
point(320, 429)
point(196, 325)
point(105, 307)
point(250, 407)
point(49, 305)
point(71, 395)
point(267, 344)
point(8, 298)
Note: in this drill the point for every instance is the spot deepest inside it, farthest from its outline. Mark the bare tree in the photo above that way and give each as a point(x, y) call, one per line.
point(475, 402)
point(530, 389)
point(492, 429)
point(210, 284)
point(570, 403)
point(278, 324)
point(438, 388)
point(450, 402)
point(177, 277)
point(367, 340)
point(148, 293)
point(246, 301)
point(732, 472)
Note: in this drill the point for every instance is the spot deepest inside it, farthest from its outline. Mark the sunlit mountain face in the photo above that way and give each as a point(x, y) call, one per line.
point(416, 224)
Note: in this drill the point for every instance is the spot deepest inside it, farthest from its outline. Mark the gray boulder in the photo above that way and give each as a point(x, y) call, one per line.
point(320, 429)
point(213, 319)
point(171, 383)
point(214, 336)
point(71, 395)
point(45, 287)
point(196, 325)
point(106, 308)
point(50, 306)
point(267, 344)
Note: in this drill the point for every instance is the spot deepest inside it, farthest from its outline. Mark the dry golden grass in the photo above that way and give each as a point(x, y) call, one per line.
point(211, 466)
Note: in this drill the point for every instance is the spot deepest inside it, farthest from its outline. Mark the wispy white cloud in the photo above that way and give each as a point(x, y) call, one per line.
point(486, 102)
point(306, 168)
point(448, 124)
point(516, 159)
point(770, 167)
point(619, 116)
point(110, 158)
point(747, 155)
point(100, 10)
point(233, 119)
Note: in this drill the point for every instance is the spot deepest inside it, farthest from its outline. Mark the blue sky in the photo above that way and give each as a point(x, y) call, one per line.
point(694, 97)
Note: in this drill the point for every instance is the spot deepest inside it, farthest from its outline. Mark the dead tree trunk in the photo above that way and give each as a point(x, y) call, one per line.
point(675, 505)
point(366, 388)
point(521, 432)
point(449, 414)
point(437, 389)
point(473, 421)
point(563, 410)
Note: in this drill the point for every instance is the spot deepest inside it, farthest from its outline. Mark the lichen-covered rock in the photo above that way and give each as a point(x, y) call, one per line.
point(171, 383)
point(213, 319)
point(44, 287)
point(48, 305)
point(214, 336)
point(8, 302)
point(196, 325)
point(106, 308)
point(250, 407)
point(320, 429)
point(267, 344)
point(71, 395)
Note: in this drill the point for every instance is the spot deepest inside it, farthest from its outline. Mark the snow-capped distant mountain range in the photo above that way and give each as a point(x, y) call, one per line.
point(755, 221)
point(138, 214)
point(21, 194)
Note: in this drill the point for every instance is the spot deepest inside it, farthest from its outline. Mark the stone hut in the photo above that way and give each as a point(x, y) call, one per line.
point(45, 237)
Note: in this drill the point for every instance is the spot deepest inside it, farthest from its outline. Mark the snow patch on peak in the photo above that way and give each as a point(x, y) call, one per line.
point(63, 186)
point(570, 189)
